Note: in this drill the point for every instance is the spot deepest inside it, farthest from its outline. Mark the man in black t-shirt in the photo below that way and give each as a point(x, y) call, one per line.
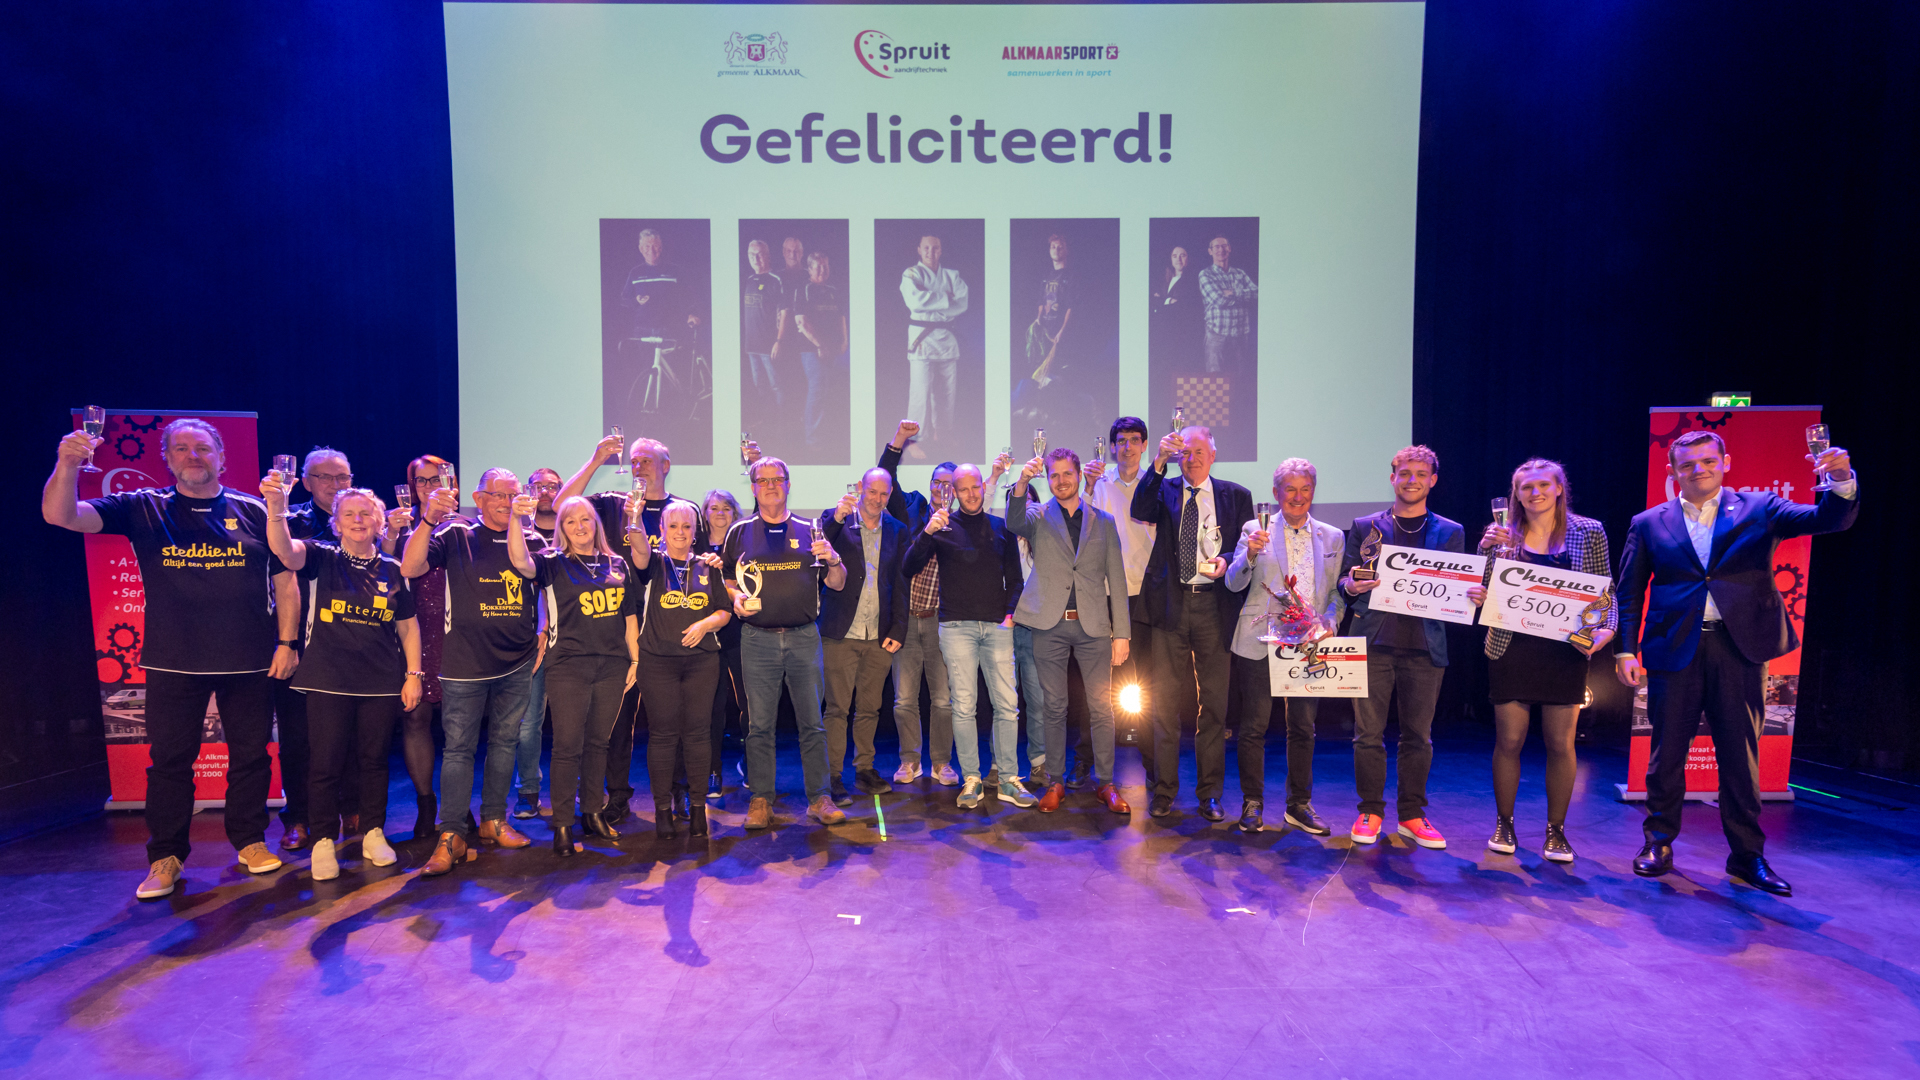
point(487, 659)
point(214, 597)
point(775, 564)
point(820, 318)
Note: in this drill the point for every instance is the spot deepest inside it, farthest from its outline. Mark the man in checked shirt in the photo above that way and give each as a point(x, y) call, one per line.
point(919, 656)
point(1229, 297)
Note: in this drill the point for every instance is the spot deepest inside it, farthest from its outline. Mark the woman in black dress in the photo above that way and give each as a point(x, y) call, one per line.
point(359, 667)
point(1525, 670)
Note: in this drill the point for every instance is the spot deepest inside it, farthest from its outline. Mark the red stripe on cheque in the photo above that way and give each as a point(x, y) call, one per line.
point(1450, 575)
point(1568, 594)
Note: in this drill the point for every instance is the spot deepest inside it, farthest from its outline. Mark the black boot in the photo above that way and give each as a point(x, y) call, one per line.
point(697, 826)
point(682, 802)
point(663, 821)
point(423, 821)
point(596, 825)
point(563, 841)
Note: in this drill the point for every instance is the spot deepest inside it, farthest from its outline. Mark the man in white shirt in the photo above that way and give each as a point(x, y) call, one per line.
point(1111, 489)
point(935, 298)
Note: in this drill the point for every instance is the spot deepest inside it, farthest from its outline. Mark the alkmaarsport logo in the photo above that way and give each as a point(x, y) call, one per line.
point(880, 56)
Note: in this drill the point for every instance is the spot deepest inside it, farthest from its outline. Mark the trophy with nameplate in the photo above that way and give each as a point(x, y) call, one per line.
point(747, 577)
point(1591, 617)
point(1366, 569)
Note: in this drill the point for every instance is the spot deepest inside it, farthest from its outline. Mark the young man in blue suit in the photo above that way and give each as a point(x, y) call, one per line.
point(1701, 642)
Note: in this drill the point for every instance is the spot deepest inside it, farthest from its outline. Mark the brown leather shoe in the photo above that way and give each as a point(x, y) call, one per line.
point(759, 813)
point(1110, 795)
point(258, 860)
point(1050, 801)
point(824, 812)
point(294, 838)
point(503, 834)
point(450, 852)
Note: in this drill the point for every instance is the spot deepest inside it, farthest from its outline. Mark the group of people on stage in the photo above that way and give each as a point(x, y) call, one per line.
point(346, 616)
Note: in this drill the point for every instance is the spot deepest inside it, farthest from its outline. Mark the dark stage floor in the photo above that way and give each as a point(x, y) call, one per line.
point(998, 942)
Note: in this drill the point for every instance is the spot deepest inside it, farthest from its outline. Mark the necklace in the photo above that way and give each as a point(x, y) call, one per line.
point(677, 573)
point(1407, 531)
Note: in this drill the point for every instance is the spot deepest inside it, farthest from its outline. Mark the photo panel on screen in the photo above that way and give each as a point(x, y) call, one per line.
point(1063, 282)
point(793, 338)
point(929, 292)
point(656, 320)
point(1203, 329)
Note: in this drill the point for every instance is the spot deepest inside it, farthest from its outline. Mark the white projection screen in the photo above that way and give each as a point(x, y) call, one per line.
point(614, 164)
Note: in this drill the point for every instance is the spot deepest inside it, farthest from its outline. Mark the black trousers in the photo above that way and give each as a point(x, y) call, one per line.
point(1255, 714)
point(296, 755)
point(620, 747)
point(584, 695)
point(337, 724)
point(1193, 648)
point(730, 691)
point(176, 712)
point(1730, 690)
point(679, 703)
point(1409, 674)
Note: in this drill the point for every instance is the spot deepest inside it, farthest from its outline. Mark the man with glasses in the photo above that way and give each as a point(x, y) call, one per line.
point(544, 484)
point(486, 662)
point(774, 564)
point(919, 659)
point(325, 474)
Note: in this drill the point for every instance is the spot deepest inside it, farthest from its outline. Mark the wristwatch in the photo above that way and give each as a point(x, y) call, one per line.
point(290, 644)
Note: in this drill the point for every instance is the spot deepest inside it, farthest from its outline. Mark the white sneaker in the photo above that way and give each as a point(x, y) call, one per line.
point(945, 776)
point(908, 772)
point(970, 794)
point(376, 850)
point(326, 865)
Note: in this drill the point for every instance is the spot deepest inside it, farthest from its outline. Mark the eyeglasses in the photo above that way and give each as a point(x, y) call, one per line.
point(546, 487)
point(331, 477)
point(764, 481)
point(495, 494)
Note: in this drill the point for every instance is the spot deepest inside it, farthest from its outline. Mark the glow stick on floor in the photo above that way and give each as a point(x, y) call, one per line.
point(881, 814)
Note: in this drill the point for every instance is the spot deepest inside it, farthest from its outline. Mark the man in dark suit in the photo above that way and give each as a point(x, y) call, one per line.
point(861, 627)
point(1198, 519)
point(1704, 638)
point(1406, 656)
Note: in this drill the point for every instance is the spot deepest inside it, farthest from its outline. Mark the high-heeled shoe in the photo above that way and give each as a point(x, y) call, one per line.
point(563, 841)
point(663, 820)
point(596, 825)
point(682, 802)
point(697, 824)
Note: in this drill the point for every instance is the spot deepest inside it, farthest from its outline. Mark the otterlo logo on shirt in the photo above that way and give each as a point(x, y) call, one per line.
point(356, 613)
point(597, 603)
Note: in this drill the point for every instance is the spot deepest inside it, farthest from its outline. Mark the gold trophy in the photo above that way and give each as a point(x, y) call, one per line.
point(1369, 555)
point(747, 577)
point(1591, 617)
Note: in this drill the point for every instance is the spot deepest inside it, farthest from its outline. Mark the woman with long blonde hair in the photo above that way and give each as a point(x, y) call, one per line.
point(1524, 670)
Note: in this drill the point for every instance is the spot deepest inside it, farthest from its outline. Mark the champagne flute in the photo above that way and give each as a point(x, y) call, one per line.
point(283, 464)
point(1006, 478)
point(637, 503)
point(1265, 510)
point(746, 441)
point(447, 478)
point(1179, 420)
point(1501, 517)
point(403, 496)
point(1819, 442)
point(943, 492)
point(621, 468)
point(93, 421)
point(1100, 450)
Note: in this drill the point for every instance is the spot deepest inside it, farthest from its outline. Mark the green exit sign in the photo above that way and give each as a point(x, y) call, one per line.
point(1730, 399)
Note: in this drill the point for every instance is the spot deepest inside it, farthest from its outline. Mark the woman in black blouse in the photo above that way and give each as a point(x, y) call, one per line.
point(679, 657)
point(592, 632)
point(360, 665)
point(1524, 670)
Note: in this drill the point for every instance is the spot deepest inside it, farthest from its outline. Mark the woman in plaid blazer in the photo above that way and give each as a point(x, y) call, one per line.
point(1523, 670)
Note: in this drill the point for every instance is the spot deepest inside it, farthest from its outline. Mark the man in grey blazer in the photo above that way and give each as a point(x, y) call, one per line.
point(1308, 551)
point(1075, 602)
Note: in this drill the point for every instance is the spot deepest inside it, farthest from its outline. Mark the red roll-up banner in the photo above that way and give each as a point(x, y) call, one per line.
point(1766, 449)
point(132, 458)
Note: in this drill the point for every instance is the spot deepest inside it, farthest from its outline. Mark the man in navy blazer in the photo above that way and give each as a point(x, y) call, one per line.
point(1075, 603)
point(1701, 641)
point(1406, 656)
point(1199, 519)
point(861, 626)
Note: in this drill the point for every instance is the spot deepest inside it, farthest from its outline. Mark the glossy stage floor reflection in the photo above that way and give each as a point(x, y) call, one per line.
point(998, 942)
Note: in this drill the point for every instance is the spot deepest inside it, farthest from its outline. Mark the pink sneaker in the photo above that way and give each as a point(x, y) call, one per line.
point(1366, 829)
point(1421, 831)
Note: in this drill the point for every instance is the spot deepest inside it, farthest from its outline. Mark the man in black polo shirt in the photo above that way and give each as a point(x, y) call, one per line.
point(214, 596)
point(486, 662)
point(769, 562)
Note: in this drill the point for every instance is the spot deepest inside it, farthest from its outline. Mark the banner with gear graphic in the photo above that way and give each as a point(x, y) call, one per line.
point(1766, 451)
point(131, 458)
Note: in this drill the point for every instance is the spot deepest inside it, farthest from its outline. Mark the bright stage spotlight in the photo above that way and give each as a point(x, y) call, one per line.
point(1130, 699)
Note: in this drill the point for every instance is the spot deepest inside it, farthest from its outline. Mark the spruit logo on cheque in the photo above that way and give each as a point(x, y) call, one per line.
point(880, 56)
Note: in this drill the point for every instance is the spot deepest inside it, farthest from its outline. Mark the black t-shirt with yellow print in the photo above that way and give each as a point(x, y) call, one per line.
point(588, 600)
point(679, 594)
point(352, 606)
point(492, 627)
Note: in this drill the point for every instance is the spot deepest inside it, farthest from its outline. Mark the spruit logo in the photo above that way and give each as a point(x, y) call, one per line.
point(880, 56)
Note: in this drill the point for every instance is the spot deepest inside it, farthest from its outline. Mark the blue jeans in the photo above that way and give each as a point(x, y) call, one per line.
point(823, 378)
point(769, 658)
point(1033, 699)
point(464, 706)
point(985, 647)
point(760, 366)
point(526, 757)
